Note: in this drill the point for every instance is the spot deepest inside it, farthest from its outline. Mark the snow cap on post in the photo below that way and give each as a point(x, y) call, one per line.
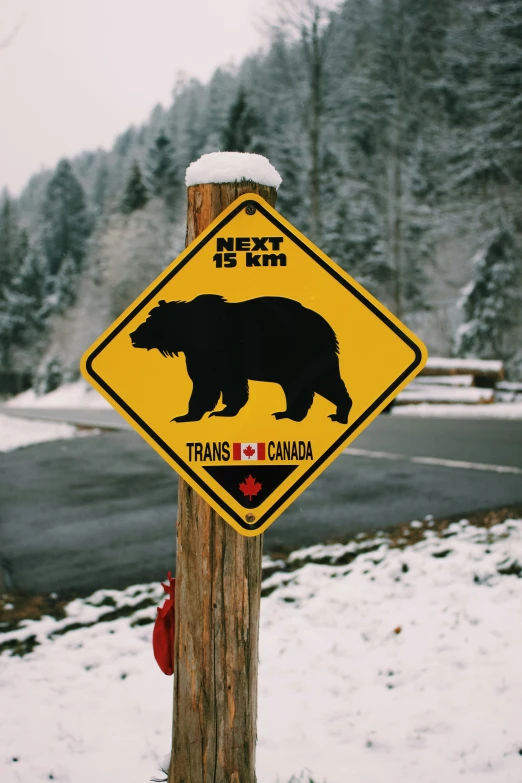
point(221, 167)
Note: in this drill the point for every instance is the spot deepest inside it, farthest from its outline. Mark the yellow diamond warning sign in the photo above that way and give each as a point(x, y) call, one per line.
point(251, 362)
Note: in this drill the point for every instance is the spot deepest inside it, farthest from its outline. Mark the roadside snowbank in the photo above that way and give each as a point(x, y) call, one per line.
point(495, 410)
point(418, 393)
point(376, 663)
point(479, 366)
point(16, 433)
point(71, 395)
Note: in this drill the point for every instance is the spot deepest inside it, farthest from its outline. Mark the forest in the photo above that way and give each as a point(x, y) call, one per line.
point(396, 126)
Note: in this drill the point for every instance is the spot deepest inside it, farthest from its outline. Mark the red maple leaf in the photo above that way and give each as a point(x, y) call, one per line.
point(249, 451)
point(250, 487)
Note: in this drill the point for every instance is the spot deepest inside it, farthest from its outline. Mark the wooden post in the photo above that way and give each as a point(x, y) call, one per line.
point(218, 596)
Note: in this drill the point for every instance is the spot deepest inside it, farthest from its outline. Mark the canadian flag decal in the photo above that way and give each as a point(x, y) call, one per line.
point(248, 451)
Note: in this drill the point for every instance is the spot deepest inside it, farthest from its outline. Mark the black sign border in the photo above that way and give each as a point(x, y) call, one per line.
point(346, 434)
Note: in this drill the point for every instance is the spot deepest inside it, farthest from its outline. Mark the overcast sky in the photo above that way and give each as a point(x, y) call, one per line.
point(76, 73)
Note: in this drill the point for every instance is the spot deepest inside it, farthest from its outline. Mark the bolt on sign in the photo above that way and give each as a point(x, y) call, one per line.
point(251, 362)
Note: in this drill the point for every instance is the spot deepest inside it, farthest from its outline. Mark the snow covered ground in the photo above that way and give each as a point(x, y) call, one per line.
point(496, 410)
point(16, 433)
point(483, 366)
point(70, 395)
point(417, 393)
point(378, 662)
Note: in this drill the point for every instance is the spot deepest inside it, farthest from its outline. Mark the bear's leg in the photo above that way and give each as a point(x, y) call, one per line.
point(331, 387)
point(298, 403)
point(235, 396)
point(204, 397)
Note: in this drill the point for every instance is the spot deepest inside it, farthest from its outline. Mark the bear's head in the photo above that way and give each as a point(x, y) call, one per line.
point(161, 330)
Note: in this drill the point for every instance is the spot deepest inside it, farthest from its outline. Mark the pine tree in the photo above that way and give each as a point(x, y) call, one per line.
point(162, 173)
point(307, 20)
point(49, 377)
point(24, 307)
point(63, 287)
point(66, 223)
point(483, 170)
point(241, 133)
point(351, 227)
point(492, 301)
point(101, 183)
point(186, 119)
point(125, 141)
point(135, 196)
point(290, 161)
point(386, 81)
point(220, 91)
point(484, 63)
point(13, 243)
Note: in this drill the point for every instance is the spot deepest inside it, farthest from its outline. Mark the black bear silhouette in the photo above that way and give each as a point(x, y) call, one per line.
point(228, 344)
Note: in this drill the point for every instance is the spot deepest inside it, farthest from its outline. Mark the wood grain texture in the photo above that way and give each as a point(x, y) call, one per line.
point(218, 596)
point(205, 202)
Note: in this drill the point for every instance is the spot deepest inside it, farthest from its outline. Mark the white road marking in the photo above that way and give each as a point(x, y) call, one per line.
point(445, 463)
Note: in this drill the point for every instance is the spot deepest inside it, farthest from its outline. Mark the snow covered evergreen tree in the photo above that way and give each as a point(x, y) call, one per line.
point(135, 196)
point(63, 287)
point(290, 160)
point(101, 186)
point(24, 307)
point(66, 223)
point(49, 377)
point(216, 101)
point(492, 302)
point(306, 22)
point(13, 243)
point(162, 173)
point(186, 122)
point(484, 63)
point(390, 73)
point(274, 87)
point(243, 129)
point(125, 141)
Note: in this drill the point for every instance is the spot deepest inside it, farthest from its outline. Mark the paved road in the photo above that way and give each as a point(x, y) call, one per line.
point(100, 511)
point(478, 440)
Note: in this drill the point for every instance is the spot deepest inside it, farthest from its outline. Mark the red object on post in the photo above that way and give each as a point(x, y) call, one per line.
point(163, 634)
